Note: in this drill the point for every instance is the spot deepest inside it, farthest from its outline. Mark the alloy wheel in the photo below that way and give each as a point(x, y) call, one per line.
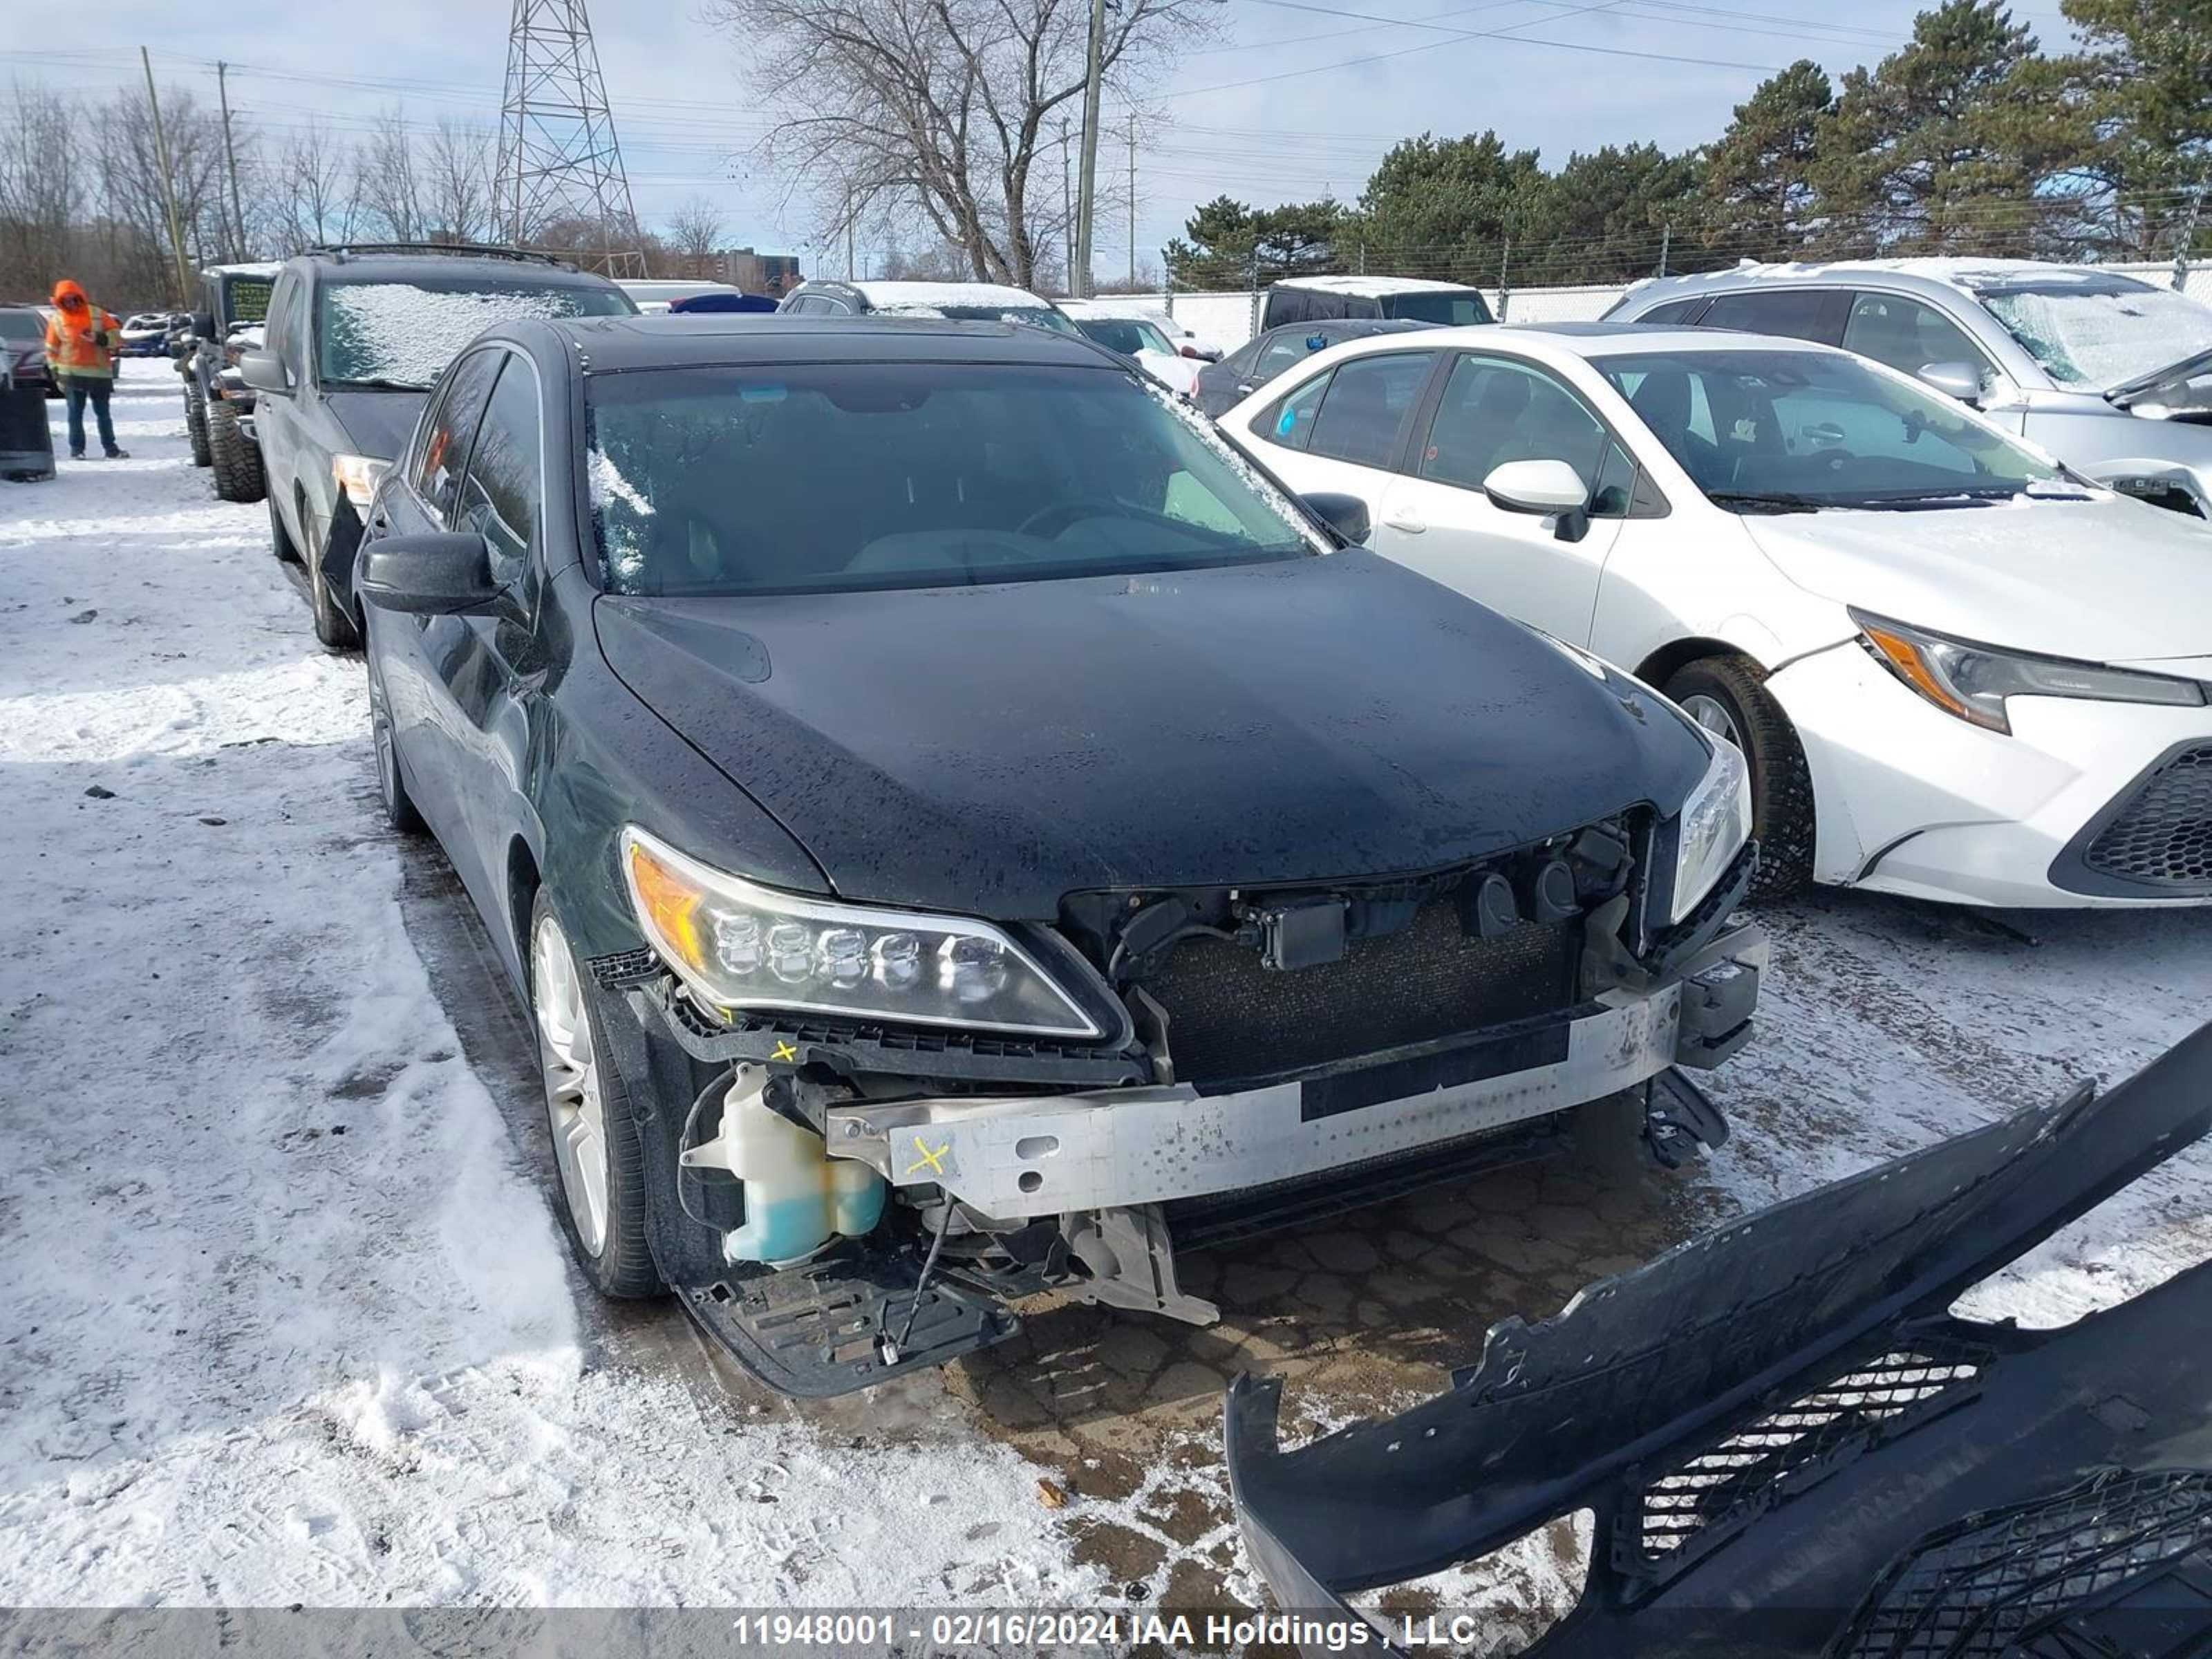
point(1713, 716)
point(575, 1101)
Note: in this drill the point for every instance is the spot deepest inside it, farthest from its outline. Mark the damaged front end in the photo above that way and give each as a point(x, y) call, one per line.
point(1262, 1056)
point(1792, 1446)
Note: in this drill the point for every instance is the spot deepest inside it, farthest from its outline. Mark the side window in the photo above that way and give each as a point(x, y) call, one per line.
point(1909, 335)
point(1675, 311)
point(1803, 313)
point(1366, 406)
point(1239, 362)
point(452, 426)
point(1496, 410)
point(1290, 422)
point(299, 337)
point(1282, 351)
point(1284, 304)
point(500, 496)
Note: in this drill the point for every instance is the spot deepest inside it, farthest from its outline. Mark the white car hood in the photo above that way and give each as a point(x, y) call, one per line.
point(1176, 374)
point(2106, 581)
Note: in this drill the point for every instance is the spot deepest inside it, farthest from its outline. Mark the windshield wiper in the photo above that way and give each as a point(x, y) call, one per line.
point(1767, 500)
point(1963, 495)
point(378, 383)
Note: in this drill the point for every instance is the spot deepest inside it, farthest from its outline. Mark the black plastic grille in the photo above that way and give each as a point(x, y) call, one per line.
point(2163, 836)
point(1969, 1591)
point(1739, 1476)
point(1231, 1019)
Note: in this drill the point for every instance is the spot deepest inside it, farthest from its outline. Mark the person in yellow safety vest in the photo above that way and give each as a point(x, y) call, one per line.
point(80, 341)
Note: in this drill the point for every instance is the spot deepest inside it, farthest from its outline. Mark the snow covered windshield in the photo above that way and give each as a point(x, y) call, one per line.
point(405, 333)
point(1791, 431)
point(1035, 316)
point(2101, 332)
point(841, 477)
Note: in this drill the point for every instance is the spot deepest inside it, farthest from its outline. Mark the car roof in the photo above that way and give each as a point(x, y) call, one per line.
point(340, 267)
point(1595, 340)
point(611, 344)
point(1931, 274)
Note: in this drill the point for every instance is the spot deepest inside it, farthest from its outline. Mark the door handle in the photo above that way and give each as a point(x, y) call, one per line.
point(1246, 386)
point(1407, 523)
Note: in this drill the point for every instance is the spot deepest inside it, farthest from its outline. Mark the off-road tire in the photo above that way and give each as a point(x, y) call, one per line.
point(400, 814)
point(195, 426)
point(1782, 813)
point(235, 457)
point(624, 1267)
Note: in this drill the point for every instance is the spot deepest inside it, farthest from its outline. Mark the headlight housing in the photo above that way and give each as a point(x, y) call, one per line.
point(738, 945)
point(356, 475)
point(1716, 821)
point(1974, 681)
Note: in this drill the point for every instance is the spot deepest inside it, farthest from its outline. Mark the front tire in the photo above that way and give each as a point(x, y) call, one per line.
point(235, 457)
point(600, 1164)
point(195, 426)
point(400, 815)
point(1727, 696)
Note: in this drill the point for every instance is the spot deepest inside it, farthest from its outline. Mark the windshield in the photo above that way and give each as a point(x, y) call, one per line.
point(21, 326)
point(2100, 332)
point(840, 477)
point(1790, 430)
point(1126, 335)
point(403, 334)
point(1453, 308)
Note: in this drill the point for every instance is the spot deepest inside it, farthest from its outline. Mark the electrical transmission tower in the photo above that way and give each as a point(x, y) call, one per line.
point(561, 173)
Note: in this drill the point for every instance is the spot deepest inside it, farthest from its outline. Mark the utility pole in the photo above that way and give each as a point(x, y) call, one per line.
point(1504, 272)
point(168, 184)
point(1086, 201)
point(1665, 241)
point(1132, 201)
point(230, 162)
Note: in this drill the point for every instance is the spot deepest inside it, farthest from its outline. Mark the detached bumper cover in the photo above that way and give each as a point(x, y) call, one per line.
point(1790, 1446)
point(1052, 1153)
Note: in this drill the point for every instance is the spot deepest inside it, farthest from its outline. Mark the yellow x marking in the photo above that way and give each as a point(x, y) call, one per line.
point(784, 1051)
point(933, 1161)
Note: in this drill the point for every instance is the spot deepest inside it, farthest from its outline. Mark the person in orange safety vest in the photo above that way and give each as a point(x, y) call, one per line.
point(81, 342)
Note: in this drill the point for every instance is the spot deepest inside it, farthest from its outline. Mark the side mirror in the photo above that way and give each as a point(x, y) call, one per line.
point(264, 372)
point(1546, 489)
point(442, 573)
point(1960, 380)
point(1346, 514)
point(202, 323)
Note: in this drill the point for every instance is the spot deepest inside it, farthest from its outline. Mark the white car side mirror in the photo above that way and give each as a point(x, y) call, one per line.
point(1541, 487)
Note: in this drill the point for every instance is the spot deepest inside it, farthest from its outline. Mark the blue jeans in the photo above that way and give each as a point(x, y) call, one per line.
point(78, 388)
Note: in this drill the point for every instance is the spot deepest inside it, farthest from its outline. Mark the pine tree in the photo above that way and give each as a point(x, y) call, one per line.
point(1444, 207)
point(2144, 78)
point(1758, 195)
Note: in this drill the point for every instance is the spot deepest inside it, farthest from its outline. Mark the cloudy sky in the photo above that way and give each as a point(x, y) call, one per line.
point(1288, 98)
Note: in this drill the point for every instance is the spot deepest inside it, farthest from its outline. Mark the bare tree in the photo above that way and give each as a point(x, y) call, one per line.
point(695, 234)
point(42, 194)
point(314, 197)
point(131, 186)
point(386, 179)
point(457, 169)
point(891, 108)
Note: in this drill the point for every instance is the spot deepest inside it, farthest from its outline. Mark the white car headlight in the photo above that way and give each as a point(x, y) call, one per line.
point(356, 475)
point(740, 946)
point(1974, 681)
point(1716, 823)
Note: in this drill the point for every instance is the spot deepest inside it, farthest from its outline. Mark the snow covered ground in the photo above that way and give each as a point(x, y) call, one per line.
point(283, 1316)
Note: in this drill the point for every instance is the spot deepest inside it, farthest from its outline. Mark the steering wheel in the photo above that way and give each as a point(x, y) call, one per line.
point(1064, 513)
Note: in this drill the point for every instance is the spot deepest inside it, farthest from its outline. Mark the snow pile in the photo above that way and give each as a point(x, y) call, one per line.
point(283, 1316)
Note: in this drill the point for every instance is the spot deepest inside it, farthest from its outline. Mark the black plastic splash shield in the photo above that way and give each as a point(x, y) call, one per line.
point(1767, 1418)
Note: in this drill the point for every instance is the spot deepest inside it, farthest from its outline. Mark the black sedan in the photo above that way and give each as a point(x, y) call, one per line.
point(960, 830)
point(1223, 385)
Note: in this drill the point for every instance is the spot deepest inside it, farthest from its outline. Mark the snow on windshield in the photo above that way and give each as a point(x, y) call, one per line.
point(2092, 338)
point(623, 535)
point(398, 331)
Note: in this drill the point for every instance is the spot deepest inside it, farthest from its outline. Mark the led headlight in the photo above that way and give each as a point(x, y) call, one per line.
point(740, 946)
point(1974, 681)
point(356, 475)
point(1716, 823)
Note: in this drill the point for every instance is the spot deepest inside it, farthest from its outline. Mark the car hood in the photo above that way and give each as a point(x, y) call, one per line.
point(987, 750)
point(2105, 580)
point(376, 424)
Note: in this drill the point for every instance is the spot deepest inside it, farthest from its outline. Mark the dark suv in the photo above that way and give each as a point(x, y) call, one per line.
point(356, 336)
point(218, 404)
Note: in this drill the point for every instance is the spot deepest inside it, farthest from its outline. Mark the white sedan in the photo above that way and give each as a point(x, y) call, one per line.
point(1135, 333)
point(1960, 672)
